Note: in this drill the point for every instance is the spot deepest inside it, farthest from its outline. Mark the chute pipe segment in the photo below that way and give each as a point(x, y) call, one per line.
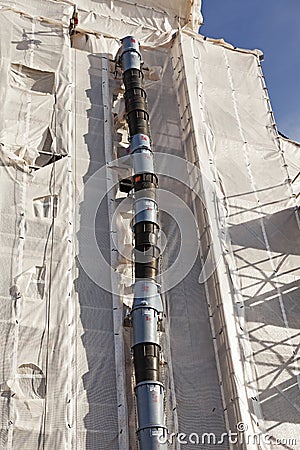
point(147, 310)
point(135, 96)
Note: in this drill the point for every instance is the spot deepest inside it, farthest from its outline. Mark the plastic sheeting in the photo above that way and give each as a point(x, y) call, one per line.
point(153, 21)
point(230, 341)
point(292, 157)
point(242, 155)
point(32, 52)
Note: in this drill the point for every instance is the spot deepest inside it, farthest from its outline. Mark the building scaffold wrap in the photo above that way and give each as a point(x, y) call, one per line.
point(137, 315)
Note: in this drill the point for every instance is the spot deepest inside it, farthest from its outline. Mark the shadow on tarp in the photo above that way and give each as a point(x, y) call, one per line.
point(281, 399)
point(271, 309)
point(96, 307)
point(265, 305)
point(281, 228)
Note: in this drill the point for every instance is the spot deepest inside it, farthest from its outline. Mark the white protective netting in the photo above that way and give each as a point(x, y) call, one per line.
point(230, 343)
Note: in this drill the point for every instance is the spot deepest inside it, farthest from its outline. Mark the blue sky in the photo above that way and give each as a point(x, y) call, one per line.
point(273, 26)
